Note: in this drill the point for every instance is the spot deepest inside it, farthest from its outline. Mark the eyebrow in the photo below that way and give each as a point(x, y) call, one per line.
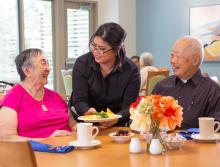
point(98, 45)
point(43, 60)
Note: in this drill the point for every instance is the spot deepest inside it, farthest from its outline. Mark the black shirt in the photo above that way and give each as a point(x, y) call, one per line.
point(116, 91)
point(199, 97)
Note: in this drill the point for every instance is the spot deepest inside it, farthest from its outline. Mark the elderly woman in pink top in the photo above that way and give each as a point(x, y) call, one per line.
point(29, 110)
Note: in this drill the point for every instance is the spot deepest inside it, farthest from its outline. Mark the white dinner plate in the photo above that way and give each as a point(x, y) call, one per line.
point(197, 137)
point(78, 145)
point(83, 118)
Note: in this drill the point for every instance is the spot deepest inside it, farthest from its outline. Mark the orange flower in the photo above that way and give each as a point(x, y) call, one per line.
point(161, 109)
point(167, 112)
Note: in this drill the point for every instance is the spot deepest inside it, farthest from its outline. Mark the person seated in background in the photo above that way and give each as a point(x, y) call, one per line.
point(136, 60)
point(29, 110)
point(146, 62)
point(105, 77)
point(198, 95)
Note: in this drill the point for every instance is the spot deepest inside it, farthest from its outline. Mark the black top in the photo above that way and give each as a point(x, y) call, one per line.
point(116, 91)
point(199, 96)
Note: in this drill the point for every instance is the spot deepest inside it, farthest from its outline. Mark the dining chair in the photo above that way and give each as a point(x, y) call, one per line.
point(16, 154)
point(67, 80)
point(154, 77)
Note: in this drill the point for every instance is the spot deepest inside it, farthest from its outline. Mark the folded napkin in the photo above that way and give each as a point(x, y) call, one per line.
point(187, 133)
point(37, 146)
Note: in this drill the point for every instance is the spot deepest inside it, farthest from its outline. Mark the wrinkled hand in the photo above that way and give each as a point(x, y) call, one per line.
point(109, 123)
point(90, 111)
point(57, 133)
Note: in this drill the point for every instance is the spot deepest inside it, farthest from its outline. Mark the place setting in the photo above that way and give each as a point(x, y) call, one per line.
point(121, 136)
point(86, 134)
point(208, 129)
point(100, 117)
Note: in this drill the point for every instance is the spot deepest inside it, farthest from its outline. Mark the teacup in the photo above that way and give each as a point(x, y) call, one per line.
point(206, 127)
point(86, 133)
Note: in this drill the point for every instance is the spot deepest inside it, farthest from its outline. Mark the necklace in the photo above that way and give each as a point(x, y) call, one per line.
point(44, 108)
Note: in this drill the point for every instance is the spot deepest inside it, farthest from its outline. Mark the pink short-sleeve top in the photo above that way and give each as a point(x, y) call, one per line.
point(37, 119)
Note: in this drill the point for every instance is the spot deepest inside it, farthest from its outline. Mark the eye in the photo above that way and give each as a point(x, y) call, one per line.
point(102, 49)
point(43, 62)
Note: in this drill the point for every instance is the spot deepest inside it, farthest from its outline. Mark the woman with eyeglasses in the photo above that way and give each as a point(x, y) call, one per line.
point(104, 77)
point(29, 110)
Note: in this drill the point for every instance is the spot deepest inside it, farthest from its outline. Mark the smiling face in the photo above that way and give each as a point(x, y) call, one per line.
point(39, 70)
point(183, 60)
point(102, 51)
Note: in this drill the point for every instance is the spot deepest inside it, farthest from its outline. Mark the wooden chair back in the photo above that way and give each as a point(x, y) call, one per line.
point(16, 154)
point(154, 77)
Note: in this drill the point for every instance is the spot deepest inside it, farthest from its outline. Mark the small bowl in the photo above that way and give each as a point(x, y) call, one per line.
point(121, 139)
point(175, 142)
point(175, 145)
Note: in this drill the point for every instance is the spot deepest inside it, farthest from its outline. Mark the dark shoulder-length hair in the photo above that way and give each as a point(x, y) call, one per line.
point(114, 35)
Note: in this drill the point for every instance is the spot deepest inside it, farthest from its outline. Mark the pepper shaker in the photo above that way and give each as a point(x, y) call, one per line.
point(135, 145)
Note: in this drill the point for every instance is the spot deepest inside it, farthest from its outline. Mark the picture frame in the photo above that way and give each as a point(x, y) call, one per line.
point(205, 25)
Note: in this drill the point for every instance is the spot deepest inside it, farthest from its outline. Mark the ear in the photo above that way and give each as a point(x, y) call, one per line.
point(196, 60)
point(26, 71)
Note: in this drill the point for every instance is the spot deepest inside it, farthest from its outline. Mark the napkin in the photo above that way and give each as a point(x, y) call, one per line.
point(37, 146)
point(187, 133)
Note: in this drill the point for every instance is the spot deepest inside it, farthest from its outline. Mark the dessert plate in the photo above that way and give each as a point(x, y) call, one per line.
point(197, 138)
point(78, 145)
point(83, 118)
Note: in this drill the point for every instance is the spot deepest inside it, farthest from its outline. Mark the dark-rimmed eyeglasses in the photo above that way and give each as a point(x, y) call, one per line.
point(102, 51)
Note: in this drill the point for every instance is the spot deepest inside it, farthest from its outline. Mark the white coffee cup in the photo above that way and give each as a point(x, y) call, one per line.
point(85, 133)
point(206, 127)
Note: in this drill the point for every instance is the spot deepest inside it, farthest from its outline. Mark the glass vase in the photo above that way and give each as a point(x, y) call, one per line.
point(155, 142)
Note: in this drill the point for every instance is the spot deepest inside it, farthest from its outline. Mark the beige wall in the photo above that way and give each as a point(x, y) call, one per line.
point(124, 13)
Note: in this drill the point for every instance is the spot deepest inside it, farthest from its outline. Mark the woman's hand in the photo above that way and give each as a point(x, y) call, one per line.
point(57, 133)
point(73, 128)
point(90, 111)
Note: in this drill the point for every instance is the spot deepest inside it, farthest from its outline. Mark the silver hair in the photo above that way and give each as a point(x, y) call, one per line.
point(194, 45)
point(146, 59)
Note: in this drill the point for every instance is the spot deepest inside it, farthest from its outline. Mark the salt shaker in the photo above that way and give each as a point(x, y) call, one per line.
point(135, 145)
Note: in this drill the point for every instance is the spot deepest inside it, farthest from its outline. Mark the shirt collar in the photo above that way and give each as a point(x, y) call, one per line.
point(195, 79)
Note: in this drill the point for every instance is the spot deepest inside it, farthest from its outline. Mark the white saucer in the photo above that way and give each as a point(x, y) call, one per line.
point(76, 144)
point(197, 137)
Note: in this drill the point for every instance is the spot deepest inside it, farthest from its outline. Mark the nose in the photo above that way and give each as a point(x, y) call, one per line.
point(47, 66)
point(173, 59)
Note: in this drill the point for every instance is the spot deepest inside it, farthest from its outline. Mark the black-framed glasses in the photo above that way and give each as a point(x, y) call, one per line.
point(102, 51)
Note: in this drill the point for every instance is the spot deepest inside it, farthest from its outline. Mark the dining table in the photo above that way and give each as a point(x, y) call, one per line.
point(111, 154)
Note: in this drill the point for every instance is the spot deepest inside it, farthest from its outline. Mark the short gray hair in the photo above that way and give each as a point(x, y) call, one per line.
point(194, 45)
point(146, 59)
point(24, 60)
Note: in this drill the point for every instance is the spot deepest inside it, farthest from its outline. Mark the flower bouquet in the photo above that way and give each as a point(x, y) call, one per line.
point(155, 112)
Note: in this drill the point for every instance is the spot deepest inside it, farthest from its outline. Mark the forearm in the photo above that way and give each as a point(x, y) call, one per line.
point(20, 138)
point(81, 107)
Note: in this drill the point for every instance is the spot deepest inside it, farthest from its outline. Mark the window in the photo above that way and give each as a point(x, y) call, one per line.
point(78, 28)
point(37, 33)
point(38, 29)
point(78, 32)
point(9, 43)
point(43, 24)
